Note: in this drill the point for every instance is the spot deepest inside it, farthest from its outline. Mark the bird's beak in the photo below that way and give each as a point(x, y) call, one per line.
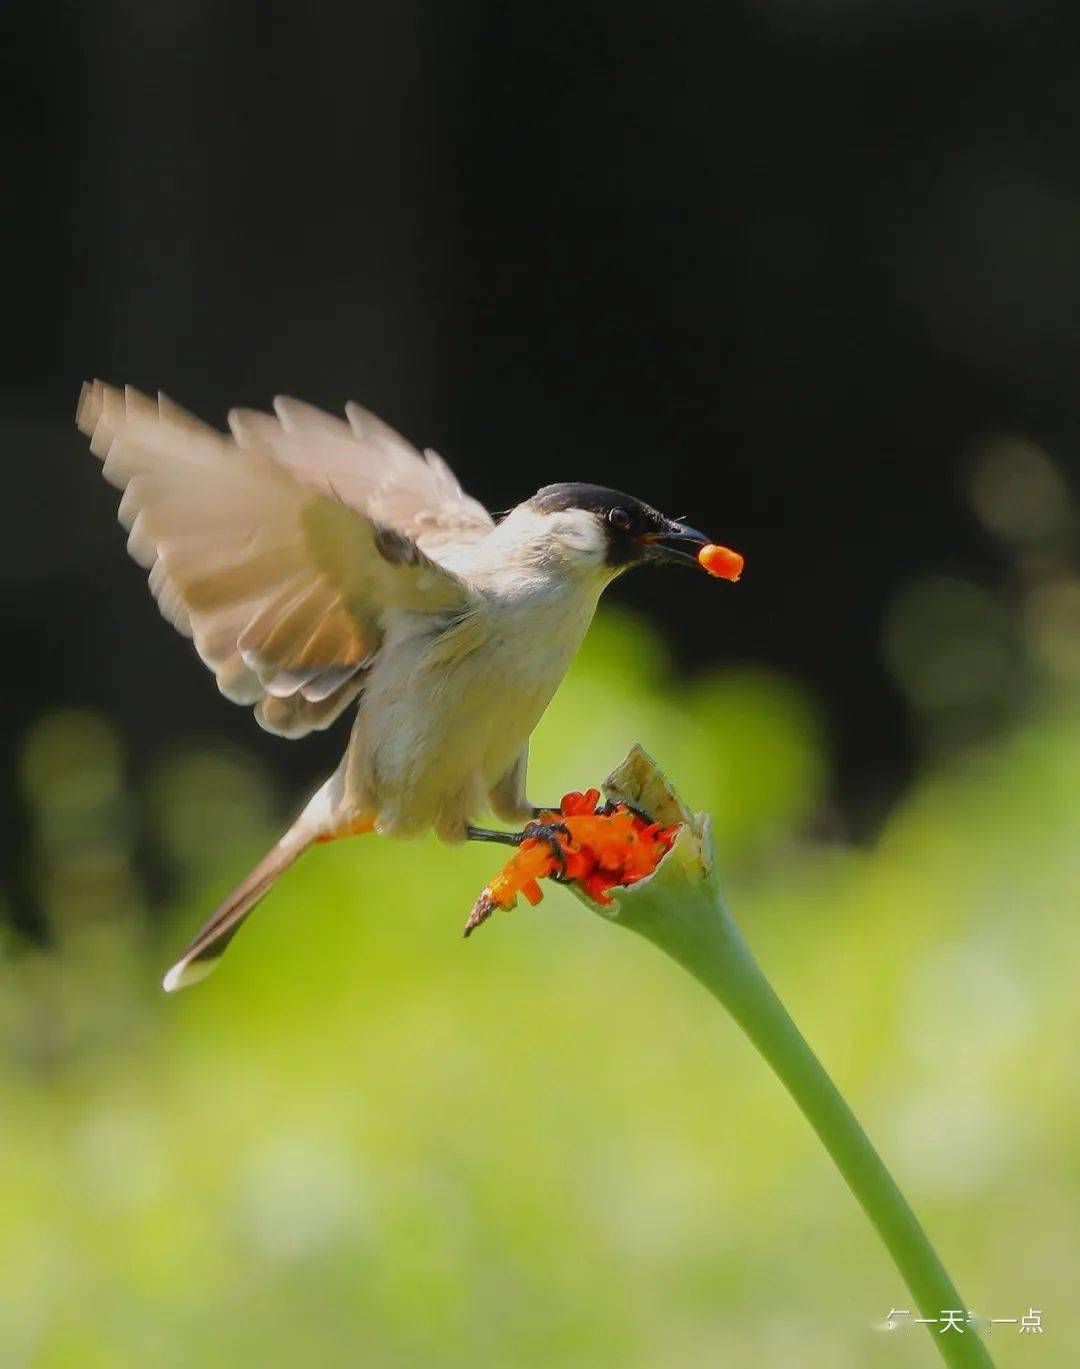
point(686, 546)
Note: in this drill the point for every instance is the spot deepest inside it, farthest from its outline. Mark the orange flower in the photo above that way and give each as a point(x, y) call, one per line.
point(599, 850)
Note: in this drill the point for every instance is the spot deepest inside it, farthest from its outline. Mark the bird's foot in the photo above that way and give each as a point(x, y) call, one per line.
point(536, 831)
point(550, 832)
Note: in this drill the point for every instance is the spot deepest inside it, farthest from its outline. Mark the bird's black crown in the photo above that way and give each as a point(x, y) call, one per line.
point(625, 519)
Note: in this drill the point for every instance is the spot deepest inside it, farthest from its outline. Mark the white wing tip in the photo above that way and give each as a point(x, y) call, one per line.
point(187, 972)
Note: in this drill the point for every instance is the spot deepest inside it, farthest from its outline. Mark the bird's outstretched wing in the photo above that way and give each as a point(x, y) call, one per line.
point(369, 466)
point(277, 548)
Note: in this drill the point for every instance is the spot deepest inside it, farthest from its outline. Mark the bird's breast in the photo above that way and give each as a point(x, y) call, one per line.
point(451, 703)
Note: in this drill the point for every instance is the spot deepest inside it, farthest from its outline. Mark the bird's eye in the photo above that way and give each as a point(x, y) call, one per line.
point(619, 518)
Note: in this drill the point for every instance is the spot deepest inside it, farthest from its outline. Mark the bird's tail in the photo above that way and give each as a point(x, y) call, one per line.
point(208, 945)
point(320, 821)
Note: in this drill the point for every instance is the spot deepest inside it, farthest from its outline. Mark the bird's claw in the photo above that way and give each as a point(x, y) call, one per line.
point(549, 832)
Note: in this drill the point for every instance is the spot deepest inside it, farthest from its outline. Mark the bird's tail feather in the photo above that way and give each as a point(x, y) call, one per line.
point(208, 945)
point(324, 818)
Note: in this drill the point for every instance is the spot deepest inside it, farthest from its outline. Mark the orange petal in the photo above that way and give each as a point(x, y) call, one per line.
point(578, 862)
point(531, 861)
point(597, 887)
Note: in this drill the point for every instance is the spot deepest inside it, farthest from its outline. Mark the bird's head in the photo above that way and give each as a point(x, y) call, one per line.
point(603, 532)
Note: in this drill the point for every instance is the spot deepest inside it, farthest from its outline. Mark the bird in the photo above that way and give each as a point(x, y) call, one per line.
point(322, 564)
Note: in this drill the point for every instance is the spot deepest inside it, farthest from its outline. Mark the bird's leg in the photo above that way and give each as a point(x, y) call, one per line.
point(542, 831)
point(490, 834)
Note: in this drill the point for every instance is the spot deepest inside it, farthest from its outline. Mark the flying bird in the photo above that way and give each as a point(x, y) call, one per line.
point(320, 565)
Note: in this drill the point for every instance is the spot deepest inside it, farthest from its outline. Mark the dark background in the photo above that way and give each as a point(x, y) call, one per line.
point(775, 266)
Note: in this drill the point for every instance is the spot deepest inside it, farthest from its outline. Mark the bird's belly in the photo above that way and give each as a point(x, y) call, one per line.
point(434, 734)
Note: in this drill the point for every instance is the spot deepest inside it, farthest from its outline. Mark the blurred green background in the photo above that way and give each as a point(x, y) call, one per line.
point(365, 1142)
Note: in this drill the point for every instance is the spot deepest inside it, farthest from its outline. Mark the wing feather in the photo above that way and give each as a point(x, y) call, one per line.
point(368, 466)
point(266, 546)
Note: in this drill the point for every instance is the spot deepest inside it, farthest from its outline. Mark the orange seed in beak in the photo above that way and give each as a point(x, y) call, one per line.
point(721, 561)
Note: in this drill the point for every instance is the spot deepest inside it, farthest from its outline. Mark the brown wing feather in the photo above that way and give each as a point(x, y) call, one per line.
point(280, 583)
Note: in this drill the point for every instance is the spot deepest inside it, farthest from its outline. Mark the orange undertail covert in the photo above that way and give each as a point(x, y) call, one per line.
point(721, 561)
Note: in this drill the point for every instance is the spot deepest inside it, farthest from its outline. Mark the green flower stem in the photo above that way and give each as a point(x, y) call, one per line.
point(680, 909)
